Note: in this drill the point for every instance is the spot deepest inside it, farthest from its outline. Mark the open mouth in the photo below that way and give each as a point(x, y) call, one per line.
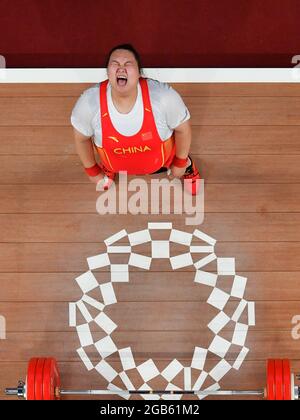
point(121, 80)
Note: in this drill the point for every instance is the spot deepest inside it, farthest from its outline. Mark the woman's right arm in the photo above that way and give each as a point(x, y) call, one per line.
point(85, 151)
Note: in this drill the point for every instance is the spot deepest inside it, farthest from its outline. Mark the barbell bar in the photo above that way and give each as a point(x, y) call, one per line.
point(43, 383)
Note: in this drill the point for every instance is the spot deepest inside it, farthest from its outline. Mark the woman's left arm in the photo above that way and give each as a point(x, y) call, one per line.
point(183, 139)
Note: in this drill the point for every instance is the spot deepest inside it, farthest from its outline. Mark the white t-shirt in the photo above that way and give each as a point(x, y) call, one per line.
point(168, 109)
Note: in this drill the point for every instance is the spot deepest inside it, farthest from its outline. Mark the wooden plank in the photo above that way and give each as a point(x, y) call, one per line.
point(181, 316)
point(39, 111)
point(244, 111)
point(36, 111)
point(55, 111)
point(150, 286)
point(250, 140)
point(252, 375)
point(43, 89)
point(185, 89)
point(81, 198)
point(37, 140)
point(234, 140)
point(68, 257)
point(251, 197)
point(146, 344)
point(237, 89)
point(74, 228)
point(222, 169)
point(41, 170)
point(49, 198)
point(249, 169)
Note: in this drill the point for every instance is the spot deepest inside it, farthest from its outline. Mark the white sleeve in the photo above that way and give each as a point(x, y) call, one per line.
point(82, 115)
point(176, 110)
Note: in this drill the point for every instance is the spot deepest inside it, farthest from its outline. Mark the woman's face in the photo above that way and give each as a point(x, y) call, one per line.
point(123, 71)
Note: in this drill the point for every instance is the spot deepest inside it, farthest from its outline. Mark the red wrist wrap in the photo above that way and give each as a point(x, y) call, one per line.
point(93, 170)
point(179, 163)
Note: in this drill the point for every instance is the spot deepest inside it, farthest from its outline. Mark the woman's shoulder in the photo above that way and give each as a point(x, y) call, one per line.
point(89, 98)
point(158, 86)
point(162, 93)
point(91, 91)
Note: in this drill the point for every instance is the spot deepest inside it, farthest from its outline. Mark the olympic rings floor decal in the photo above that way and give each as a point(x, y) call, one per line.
point(121, 273)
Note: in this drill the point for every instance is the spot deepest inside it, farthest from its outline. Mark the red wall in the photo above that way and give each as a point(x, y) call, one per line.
point(168, 33)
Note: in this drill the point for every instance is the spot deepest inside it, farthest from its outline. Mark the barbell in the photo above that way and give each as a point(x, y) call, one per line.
point(43, 383)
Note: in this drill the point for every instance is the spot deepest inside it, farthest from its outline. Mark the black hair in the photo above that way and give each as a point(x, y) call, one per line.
point(127, 47)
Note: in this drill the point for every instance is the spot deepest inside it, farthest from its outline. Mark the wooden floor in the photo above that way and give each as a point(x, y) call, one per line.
point(246, 143)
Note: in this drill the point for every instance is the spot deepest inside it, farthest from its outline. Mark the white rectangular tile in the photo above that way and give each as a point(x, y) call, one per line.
point(240, 334)
point(209, 279)
point(219, 371)
point(160, 249)
point(108, 294)
point(219, 346)
point(93, 302)
point(105, 323)
point(119, 249)
point(98, 261)
point(85, 313)
point(127, 359)
point(84, 334)
point(140, 237)
point(106, 371)
point(218, 298)
point(187, 378)
point(72, 314)
point(251, 314)
point(116, 237)
point(238, 287)
point(159, 225)
point(202, 249)
point(204, 237)
point(119, 273)
point(106, 347)
point(140, 261)
point(172, 370)
point(200, 381)
point(84, 357)
point(180, 237)
point(205, 261)
point(87, 282)
point(126, 381)
point(180, 261)
point(239, 310)
point(219, 322)
point(240, 359)
point(226, 266)
point(148, 370)
point(199, 358)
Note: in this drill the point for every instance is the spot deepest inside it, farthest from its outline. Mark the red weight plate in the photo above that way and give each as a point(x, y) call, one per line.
point(38, 384)
point(287, 391)
point(271, 380)
point(51, 379)
point(278, 380)
point(48, 379)
point(30, 381)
